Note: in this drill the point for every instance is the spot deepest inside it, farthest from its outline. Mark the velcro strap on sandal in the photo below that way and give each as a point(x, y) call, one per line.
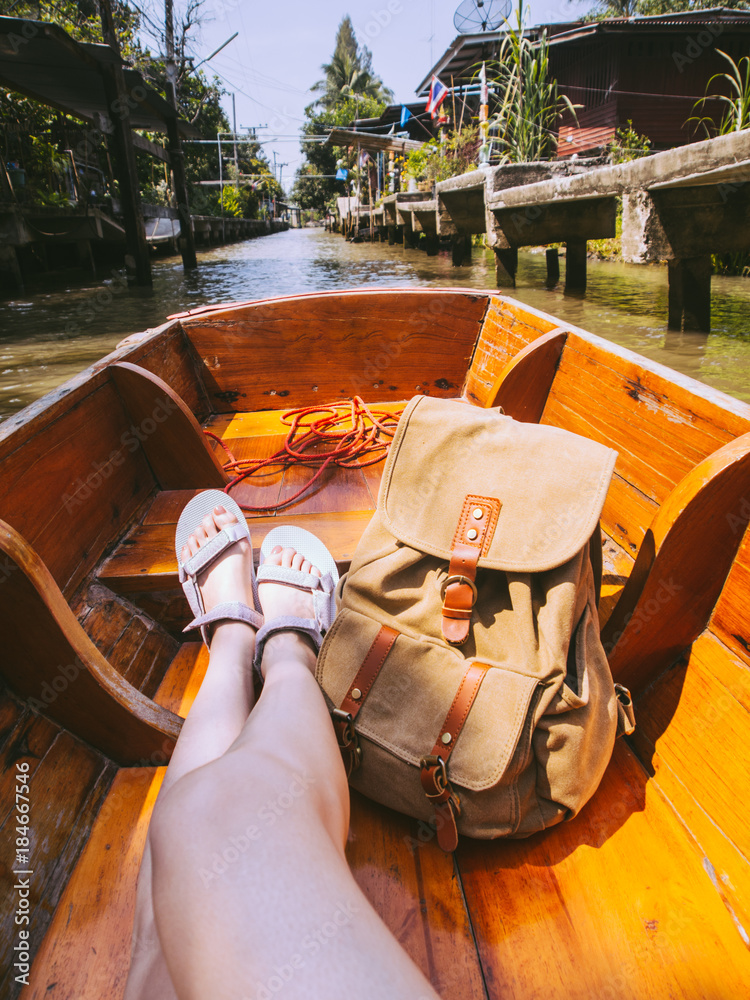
point(233, 611)
point(212, 549)
point(285, 623)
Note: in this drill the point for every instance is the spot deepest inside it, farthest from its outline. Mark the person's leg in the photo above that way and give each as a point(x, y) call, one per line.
point(216, 718)
point(253, 897)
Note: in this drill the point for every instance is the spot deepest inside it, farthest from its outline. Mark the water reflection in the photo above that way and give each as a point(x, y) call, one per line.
point(47, 338)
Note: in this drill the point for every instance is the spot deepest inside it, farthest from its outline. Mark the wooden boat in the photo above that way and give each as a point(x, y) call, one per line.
point(645, 894)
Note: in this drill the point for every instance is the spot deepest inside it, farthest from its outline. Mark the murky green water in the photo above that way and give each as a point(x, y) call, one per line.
point(47, 337)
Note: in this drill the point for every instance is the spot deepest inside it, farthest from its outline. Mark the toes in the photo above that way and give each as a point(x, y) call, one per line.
point(297, 560)
point(305, 567)
point(209, 526)
point(315, 571)
point(287, 556)
point(222, 517)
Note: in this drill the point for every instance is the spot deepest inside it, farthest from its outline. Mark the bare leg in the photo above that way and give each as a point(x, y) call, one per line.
point(252, 894)
point(216, 718)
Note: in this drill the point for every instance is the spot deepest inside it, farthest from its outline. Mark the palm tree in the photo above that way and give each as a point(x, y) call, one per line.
point(349, 73)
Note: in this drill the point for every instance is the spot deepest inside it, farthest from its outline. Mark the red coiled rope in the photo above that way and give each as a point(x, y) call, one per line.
point(364, 443)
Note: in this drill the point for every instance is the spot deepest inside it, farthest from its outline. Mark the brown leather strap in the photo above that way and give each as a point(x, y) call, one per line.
point(476, 526)
point(343, 717)
point(434, 775)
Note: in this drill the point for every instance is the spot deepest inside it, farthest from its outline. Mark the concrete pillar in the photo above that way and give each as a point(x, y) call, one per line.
point(506, 265)
point(391, 235)
point(575, 266)
point(553, 267)
point(690, 294)
point(461, 250)
point(432, 245)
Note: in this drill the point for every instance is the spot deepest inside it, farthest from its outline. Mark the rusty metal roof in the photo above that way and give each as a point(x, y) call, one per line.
point(41, 61)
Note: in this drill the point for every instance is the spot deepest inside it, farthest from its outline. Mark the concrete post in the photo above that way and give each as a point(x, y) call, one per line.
point(506, 265)
point(575, 266)
point(432, 245)
point(553, 267)
point(690, 294)
point(461, 250)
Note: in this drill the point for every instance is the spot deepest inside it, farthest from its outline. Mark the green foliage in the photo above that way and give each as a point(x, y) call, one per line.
point(349, 73)
point(529, 104)
point(436, 160)
point(322, 158)
point(628, 144)
point(736, 116)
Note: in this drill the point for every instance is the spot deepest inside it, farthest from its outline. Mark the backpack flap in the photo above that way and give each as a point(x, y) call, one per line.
point(540, 489)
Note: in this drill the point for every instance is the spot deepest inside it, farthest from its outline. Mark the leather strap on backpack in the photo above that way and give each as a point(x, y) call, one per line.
point(434, 774)
point(343, 717)
point(476, 526)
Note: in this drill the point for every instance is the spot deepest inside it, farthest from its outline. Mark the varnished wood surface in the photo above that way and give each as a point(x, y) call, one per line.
point(694, 544)
point(175, 446)
point(68, 782)
point(303, 350)
point(64, 673)
point(523, 386)
point(617, 903)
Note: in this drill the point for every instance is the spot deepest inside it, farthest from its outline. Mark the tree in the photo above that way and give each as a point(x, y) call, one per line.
point(311, 190)
point(349, 72)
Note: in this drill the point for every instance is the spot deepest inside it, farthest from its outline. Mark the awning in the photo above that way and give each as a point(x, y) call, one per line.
point(41, 61)
point(372, 143)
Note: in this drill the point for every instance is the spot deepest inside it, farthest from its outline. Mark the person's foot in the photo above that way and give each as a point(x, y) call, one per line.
point(277, 600)
point(228, 578)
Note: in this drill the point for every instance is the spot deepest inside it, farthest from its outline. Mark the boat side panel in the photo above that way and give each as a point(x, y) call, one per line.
point(72, 488)
point(731, 619)
point(67, 786)
point(508, 328)
point(316, 349)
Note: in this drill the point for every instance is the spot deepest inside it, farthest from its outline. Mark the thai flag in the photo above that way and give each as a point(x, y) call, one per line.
point(438, 93)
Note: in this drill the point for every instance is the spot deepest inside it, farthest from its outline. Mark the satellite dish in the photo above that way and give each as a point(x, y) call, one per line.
point(480, 15)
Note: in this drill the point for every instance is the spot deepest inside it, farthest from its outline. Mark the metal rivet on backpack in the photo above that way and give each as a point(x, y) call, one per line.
point(356, 694)
point(471, 534)
point(446, 738)
point(478, 513)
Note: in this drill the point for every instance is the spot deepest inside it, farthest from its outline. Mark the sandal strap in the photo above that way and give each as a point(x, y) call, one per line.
point(211, 551)
point(285, 623)
point(234, 611)
point(321, 588)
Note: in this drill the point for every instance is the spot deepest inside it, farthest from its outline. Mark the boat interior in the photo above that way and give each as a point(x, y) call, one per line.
point(646, 893)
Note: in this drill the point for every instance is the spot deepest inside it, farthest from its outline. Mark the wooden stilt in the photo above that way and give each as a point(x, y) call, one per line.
point(138, 257)
point(506, 265)
point(432, 245)
point(690, 294)
point(575, 266)
point(553, 267)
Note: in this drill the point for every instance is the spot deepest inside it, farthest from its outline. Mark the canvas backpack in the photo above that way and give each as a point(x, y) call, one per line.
point(464, 670)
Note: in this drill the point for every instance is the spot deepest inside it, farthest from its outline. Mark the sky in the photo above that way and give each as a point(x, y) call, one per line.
point(281, 44)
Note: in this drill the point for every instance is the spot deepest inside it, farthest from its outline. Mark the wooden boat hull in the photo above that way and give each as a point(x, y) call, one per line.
point(646, 893)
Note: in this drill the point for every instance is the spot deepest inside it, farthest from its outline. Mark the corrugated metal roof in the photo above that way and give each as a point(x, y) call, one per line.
point(43, 62)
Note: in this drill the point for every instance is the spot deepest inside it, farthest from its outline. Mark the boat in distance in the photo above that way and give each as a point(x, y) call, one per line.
point(644, 894)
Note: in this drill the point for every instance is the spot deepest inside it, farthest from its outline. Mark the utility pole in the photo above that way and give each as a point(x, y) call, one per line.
point(138, 259)
point(176, 156)
point(234, 141)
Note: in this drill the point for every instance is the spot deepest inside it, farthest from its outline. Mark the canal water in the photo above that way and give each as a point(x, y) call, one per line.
point(48, 336)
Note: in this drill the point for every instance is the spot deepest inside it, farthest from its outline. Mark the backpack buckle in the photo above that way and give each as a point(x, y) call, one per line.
point(458, 578)
point(348, 739)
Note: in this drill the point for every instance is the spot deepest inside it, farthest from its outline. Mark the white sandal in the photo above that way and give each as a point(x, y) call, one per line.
point(190, 519)
point(322, 587)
